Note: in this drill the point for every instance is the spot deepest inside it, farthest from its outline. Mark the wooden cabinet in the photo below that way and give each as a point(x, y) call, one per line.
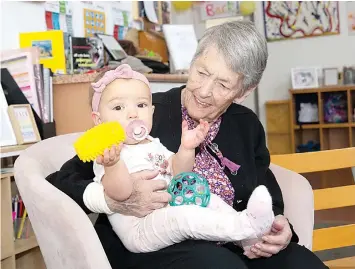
point(329, 135)
point(278, 127)
point(15, 253)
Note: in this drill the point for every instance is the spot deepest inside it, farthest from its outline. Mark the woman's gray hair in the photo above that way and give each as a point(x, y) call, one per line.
point(242, 46)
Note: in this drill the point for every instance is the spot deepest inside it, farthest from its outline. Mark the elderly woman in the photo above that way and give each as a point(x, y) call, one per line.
point(227, 67)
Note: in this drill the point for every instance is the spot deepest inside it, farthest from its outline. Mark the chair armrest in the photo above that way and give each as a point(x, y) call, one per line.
point(299, 202)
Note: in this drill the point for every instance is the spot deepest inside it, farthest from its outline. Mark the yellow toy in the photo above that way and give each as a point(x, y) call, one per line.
point(94, 141)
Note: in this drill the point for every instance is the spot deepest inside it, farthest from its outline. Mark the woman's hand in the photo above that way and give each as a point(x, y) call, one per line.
point(191, 139)
point(110, 157)
point(277, 240)
point(145, 196)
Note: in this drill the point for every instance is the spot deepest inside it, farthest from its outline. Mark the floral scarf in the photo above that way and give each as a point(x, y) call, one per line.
point(207, 166)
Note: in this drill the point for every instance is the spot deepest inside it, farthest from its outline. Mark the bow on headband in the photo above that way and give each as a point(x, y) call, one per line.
point(123, 71)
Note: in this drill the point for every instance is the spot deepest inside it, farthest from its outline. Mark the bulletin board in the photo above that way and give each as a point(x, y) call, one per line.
point(85, 18)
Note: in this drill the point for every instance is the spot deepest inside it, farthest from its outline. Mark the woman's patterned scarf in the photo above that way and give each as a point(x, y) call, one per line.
point(207, 166)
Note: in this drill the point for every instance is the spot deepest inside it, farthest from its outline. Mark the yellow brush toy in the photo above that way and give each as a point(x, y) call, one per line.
point(94, 141)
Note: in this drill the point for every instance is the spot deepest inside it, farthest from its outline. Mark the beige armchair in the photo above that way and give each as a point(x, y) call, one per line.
point(64, 232)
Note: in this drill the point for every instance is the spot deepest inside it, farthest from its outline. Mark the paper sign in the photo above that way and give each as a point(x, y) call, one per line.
point(182, 44)
point(213, 10)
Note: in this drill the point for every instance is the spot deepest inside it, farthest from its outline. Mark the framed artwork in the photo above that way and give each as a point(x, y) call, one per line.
point(350, 9)
point(299, 19)
point(348, 75)
point(7, 134)
point(24, 124)
point(303, 78)
point(330, 76)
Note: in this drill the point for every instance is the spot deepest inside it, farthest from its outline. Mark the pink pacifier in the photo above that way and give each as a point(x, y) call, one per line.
point(137, 130)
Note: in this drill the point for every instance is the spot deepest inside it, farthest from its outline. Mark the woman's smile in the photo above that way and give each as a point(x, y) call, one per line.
point(201, 104)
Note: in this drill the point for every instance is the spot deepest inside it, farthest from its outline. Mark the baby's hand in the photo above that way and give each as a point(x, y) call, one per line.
point(110, 157)
point(191, 139)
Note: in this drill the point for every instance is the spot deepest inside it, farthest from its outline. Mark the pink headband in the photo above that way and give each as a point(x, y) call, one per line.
point(123, 71)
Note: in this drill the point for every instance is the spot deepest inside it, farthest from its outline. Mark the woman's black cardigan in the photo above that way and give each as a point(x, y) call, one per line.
point(241, 139)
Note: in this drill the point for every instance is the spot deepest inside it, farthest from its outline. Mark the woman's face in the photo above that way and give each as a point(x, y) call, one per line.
point(211, 87)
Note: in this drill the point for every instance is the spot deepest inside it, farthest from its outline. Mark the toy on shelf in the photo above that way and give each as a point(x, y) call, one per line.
point(308, 147)
point(94, 141)
point(335, 108)
point(189, 189)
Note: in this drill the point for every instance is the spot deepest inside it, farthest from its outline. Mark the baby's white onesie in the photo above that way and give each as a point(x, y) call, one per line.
point(174, 224)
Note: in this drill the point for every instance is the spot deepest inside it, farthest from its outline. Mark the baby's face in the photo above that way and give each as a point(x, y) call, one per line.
point(125, 100)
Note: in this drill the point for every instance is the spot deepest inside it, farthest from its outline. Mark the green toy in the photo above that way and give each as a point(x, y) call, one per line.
point(189, 189)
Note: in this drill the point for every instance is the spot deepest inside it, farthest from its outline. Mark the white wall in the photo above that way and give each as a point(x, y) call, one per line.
point(323, 51)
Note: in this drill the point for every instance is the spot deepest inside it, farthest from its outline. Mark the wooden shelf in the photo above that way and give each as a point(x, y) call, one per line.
point(10, 151)
point(324, 125)
point(15, 148)
point(5, 175)
point(19, 253)
point(7, 241)
point(307, 126)
point(335, 125)
point(22, 245)
point(327, 135)
point(337, 88)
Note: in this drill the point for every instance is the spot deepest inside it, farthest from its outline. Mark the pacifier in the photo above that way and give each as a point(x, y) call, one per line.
point(137, 130)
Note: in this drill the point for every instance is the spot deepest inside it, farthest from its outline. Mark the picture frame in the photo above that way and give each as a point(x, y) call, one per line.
point(330, 76)
point(348, 75)
point(7, 134)
point(304, 77)
point(24, 124)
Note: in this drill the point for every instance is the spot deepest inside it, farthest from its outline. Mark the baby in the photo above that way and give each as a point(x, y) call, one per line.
point(124, 95)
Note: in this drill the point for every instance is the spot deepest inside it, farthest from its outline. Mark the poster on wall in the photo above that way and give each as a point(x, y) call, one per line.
point(87, 54)
point(94, 22)
point(351, 17)
point(121, 22)
point(290, 20)
point(58, 16)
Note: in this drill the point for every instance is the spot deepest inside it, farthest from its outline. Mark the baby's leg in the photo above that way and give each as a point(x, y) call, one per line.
point(174, 224)
point(259, 211)
point(217, 203)
point(170, 225)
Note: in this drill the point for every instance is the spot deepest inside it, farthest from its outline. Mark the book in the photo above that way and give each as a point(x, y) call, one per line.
point(19, 63)
point(52, 46)
point(88, 53)
point(38, 74)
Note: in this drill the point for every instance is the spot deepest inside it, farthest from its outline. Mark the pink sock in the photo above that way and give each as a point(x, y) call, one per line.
point(261, 216)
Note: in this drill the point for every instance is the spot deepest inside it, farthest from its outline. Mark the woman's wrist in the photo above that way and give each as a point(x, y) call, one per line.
point(111, 204)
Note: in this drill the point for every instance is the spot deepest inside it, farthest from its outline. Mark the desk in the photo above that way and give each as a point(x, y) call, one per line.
point(71, 104)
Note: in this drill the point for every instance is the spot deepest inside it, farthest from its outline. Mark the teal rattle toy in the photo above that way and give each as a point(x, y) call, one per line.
point(189, 189)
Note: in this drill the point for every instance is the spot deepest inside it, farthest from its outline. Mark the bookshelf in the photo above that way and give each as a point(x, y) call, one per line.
point(18, 253)
point(331, 135)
